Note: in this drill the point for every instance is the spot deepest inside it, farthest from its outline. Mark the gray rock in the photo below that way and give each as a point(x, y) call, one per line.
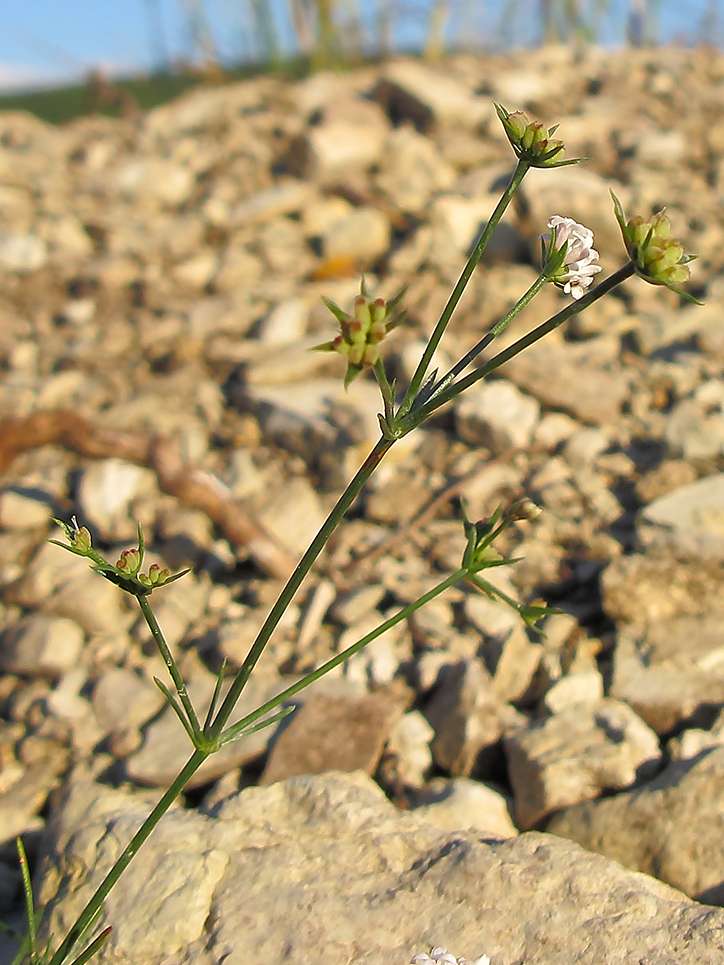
point(361, 883)
point(22, 253)
point(329, 151)
point(693, 432)
point(670, 671)
point(583, 380)
point(328, 733)
point(461, 804)
point(23, 508)
point(584, 687)
point(362, 236)
point(21, 803)
point(689, 520)
point(496, 415)
point(123, 699)
point(407, 754)
point(39, 645)
point(669, 828)
point(638, 589)
point(575, 755)
point(469, 720)
point(425, 95)
point(106, 494)
point(413, 171)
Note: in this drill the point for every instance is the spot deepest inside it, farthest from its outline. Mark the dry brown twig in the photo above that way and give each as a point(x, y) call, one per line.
point(193, 487)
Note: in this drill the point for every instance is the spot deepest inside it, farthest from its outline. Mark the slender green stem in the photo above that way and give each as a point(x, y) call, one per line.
point(29, 905)
point(388, 397)
point(173, 670)
point(414, 418)
point(287, 594)
point(496, 330)
point(90, 910)
point(421, 370)
point(344, 655)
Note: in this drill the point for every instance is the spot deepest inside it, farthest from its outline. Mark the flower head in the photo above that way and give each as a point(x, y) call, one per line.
point(569, 258)
point(532, 142)
point(362, 330)
point(441, 956)
point(658, 258)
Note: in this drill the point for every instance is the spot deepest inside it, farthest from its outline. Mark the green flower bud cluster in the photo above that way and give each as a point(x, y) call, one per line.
point(362, 330)
point(532, 141)
point(125, 573)
point(658, 258)
point(156, 575)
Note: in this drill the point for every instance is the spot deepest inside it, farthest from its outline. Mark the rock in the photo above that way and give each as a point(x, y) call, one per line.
point(575, 688)
point(380, 885)
point(468, 718)
point(123, 700)
point(21, 803)
point(638, 588)
point(413, 91)
point(22, 252)
point(106, 494)
point(572, 378)
point(24, 509)
point(576, 754)
point(39, 645)
point(292, 515)
point(380, 660)
point(669, 827)
point(362, 236)
point(407, 754)
point(413, 171)
point(694, 433)
point(286, 322)
point(287, 197)
point(496, 415)
point(328, 151)
point(328, 733)
point(461, 804)
point(671, 671)
point(154, 181)
point(689, 520)
point(513, 661)
point(351, 607)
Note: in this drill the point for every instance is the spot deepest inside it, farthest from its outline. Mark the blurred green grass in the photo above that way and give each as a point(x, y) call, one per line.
point(62, 104)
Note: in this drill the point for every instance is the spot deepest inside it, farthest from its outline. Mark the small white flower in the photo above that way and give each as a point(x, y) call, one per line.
point(579, 264)
point(441, 956)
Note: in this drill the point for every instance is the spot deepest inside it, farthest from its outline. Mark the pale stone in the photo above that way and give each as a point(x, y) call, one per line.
point(461, 804)
point(496, 415)
point(576, 754)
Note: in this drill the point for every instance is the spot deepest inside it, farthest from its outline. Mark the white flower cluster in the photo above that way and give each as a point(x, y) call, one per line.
point(579, 265)
point(441, 956)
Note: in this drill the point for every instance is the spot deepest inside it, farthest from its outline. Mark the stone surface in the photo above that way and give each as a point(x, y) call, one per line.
point(496, 415)
point(41, 645)
point(689, 520)
point(213, 887)
point(461, 804)
point(670, 827)
point(330, 733)
point(576, 754)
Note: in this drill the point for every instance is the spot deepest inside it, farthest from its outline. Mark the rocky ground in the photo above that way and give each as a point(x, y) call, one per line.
point(160, 286)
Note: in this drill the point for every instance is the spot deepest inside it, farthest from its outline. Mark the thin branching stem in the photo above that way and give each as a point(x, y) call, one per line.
point(171, 665)
point(452, 302)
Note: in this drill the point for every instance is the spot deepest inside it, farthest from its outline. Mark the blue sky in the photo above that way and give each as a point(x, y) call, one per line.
point(43, 41)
